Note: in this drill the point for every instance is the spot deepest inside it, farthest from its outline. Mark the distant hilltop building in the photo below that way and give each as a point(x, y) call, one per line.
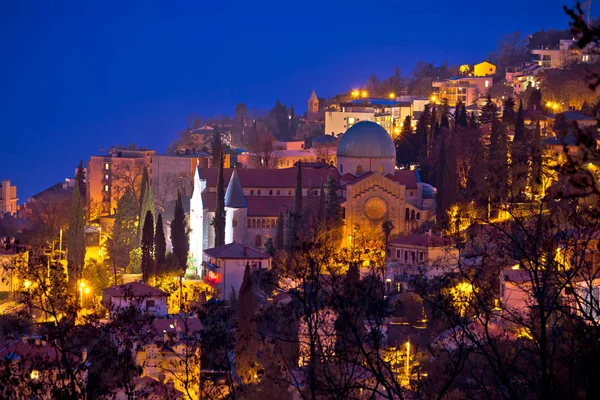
point(8, 198)
point(466, 89)
point(313, 112)
point(484, 68)
point(371, 190)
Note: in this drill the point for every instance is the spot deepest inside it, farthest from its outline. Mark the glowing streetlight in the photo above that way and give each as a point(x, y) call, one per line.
point(549, 104)
point(433, 98)
point(364, 93)
point(392, 95)
point(82, 286)
point(27, 284)
point(355, 93)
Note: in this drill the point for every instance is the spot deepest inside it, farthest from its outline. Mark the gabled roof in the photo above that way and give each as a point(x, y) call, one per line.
point(234, 197)
point(423, 240)
point(406, 177)
point(271, 178)
point(134, 289)
point(236, 251)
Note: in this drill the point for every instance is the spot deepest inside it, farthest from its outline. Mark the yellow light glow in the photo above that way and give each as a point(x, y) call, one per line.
point(82, 285)
point(355, 93)
point(87, 290)
point(27, 284)
point(392, 95)
point(516, 266)
point(549, 104)
point(364, 93)
point(396, 130)
point(433, 98)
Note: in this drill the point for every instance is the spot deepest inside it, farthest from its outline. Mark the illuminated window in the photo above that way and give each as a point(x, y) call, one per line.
point(106, 188)
point(351, 120)
point(487, 83)
point(105, 165)
point(106, 176)
point(35, 374)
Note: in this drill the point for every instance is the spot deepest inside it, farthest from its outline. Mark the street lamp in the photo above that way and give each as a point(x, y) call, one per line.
point(392, 95)
point(364, 93)
point(82, 286)
point(433, 98)
point(355, 93)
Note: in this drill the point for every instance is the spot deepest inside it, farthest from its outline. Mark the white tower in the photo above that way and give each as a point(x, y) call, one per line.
point(197, 221)
point(236, 207)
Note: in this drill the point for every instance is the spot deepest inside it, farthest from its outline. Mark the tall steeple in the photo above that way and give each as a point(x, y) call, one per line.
point(313, 103)
point(198, 232)
point(236, 208)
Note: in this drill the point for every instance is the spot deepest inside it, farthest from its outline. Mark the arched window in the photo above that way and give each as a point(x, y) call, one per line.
point(341, 168)
point(359, 170)
point(254, 223)
point(234, 222)
point(289, 192)
point(263, 223)
point(412, 214)
point(407, 213)
point(258, 241)
point(258, 193)
point(278, 193)
point(270, 193)
point(268, 223)
point(249, 223)
point(381, 169)
point(251, 192)
point(419, 215)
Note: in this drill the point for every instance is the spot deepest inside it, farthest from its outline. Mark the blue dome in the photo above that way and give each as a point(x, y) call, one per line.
point(366, 140)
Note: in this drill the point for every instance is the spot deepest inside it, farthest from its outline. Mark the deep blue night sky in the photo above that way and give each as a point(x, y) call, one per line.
point(75, 78)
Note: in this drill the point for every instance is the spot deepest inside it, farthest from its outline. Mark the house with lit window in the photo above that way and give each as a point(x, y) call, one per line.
point(484, 68)
point(224, 266)
point(416, 254)
point(466, 89)
point(145, 298)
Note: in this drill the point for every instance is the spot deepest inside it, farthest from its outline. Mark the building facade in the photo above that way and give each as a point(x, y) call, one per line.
point(110, 175)
point(466, 89)
point(8, 198)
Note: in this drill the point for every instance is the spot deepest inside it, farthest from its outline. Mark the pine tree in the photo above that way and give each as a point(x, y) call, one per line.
point(497, 167)
point(148, 247)
point(81, 182)
point(146, 203)
point(431, 132)
point(508, 112)
point(536, 161)
point(407, 126)
point(322, 206)
point(489, 111)
point(179, 234)
point(75, 240)
point(520, 162)
point(473, 122)
point(160, 242)
point(246, 343)
point(123, 236)
point(218, 221)
point(444, 123)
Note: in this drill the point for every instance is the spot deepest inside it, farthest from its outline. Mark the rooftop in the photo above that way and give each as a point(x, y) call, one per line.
point(422, 240)
point(236, 251)
point(134, 289)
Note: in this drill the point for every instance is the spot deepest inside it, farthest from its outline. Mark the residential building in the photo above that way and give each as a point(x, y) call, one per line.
point(466, 89)
point(419, 253)
point(147, 299)
point(110, 175)
point(224, 266)
point(521, 77)
point(484, 68)
point(175, 172)
point(566, 52)
point(8, 198)
point(337, 122)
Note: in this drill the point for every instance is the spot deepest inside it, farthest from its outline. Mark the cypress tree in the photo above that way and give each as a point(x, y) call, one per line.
point(519, 166)
point(462, 121)
point(431, 132)
point(444, 123)
point(457, 112)
point(333, 209)
point(219, 219)
point(76, 240)
point(146, 203)
point(160, 242)
point(216, 148)
point(279, 232)
point(440, 204)
point(497, 167)
point(407, 127)
point(447, 179)
point(80, 181)
point(246, 343)
point(322, 206)
point(148, 247)
point(536, 161)
point(179, 235)
point(298, 191)
point(473, 122)
point(421, 134)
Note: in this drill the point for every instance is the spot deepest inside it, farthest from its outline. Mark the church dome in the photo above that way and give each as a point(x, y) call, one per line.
point(366, 139)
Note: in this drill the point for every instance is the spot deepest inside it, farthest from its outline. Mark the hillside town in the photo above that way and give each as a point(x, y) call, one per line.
point(430, 236)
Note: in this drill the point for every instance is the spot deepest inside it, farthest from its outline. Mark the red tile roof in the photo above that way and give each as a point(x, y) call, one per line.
point(423, 240)
point(134, 289)
point(271, 178)
point(236, 251)
point(258, 206)
point(405, 177)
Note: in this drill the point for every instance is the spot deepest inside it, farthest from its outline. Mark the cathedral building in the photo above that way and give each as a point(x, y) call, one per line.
point(371, 187)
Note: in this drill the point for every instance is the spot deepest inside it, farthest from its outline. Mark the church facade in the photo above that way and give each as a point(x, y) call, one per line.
point(372, 189)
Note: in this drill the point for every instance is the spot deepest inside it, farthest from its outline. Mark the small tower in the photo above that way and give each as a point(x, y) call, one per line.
point(197, 229)
point(236, 209)
point(313, 103)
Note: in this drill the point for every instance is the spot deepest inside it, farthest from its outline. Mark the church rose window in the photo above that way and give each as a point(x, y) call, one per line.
point(375, 208)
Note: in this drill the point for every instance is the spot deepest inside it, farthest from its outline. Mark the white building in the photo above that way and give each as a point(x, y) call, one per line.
point(337, 122)
point(147, 299)
point(225, 265)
